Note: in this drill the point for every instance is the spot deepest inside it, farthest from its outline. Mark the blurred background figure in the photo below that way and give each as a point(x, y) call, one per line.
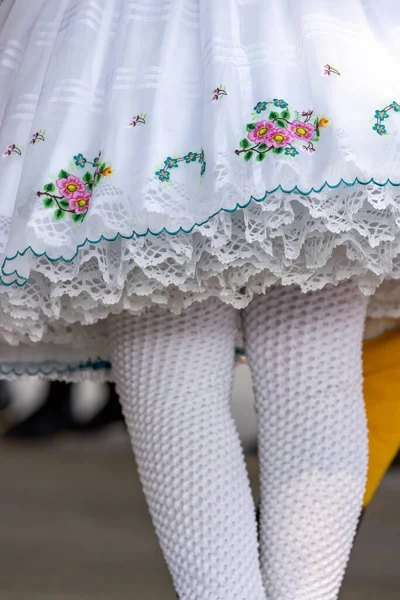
point(381, 354)
point(40, 410)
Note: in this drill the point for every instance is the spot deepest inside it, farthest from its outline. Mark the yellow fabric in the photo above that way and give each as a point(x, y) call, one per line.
point(381, 357)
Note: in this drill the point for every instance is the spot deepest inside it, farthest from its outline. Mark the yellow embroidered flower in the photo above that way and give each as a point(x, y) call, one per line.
point(323, 122)
point(107, 172)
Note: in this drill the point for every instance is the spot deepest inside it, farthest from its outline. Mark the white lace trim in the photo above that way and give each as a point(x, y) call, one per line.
point(308, 240)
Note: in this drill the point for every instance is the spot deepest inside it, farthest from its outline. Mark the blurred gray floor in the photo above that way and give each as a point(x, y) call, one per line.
point(74, 526)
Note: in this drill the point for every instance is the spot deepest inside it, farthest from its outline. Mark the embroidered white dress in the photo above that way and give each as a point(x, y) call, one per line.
point(168, 151)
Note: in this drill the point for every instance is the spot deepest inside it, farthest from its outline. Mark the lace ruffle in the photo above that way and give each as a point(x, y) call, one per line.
point(289, 238)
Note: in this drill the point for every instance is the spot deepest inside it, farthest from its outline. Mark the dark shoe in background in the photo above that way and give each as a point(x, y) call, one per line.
point(5, 396)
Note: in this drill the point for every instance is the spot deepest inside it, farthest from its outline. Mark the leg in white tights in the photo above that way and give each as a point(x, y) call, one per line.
point(174, 375)
point(304, 351)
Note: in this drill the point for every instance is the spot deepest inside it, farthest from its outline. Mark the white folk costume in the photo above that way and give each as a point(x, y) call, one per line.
point(166, 162)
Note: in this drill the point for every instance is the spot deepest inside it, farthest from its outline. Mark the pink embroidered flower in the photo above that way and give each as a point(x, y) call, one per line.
point(309, 148)
point(328, 70)
point(70, 186)
point(260, 132)
point(134, 121)
point(302, 131)
point(79, 203)
point(12, 149)
point(9, 150)
point(278, 138)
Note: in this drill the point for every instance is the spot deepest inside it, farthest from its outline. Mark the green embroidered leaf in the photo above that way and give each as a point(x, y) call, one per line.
point(281, 123)
point(102, 166)
point(248, 155)
point(87, 177)
point(48, 202)
point(318, 133)
point(273, 115)
point(76, 218)
point(315, 139)
point(58, 214)
point(63, 174)
point(285, 114)
point(244, 143)
point(98, 178)
point(250, 126)
point(262, 147)
point(49, 187)
point(316, 122)
point(64, 204)
point(277, 150)
point(260, 157)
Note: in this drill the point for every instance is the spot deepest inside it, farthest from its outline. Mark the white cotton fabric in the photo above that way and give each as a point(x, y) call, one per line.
point(79, 73)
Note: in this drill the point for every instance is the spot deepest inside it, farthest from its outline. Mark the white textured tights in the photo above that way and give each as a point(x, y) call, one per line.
point(174, 375)
point(304, 351)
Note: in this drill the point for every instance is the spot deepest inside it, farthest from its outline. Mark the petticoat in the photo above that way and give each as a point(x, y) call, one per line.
point(167, 151)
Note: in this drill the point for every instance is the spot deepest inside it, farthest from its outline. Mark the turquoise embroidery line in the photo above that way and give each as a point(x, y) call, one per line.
point(15, 272)
point(99, 365)
point(181, 229)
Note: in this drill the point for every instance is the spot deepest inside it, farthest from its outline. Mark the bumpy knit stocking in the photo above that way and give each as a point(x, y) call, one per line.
point(174, 375)
point(305, 355)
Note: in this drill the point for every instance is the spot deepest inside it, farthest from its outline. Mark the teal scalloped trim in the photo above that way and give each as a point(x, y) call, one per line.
point(98, 365)
point(238, 206)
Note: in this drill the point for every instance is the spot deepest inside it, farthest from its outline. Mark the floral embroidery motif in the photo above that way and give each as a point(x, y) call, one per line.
point(13, 149)
point(381, 115)
point(280, 103)
point(219, 92)
point(173, 163)
point(74, 193)
point(329, 70)
point(38, 137)
point(138, 120)
point(17, 149)
point(279, 133)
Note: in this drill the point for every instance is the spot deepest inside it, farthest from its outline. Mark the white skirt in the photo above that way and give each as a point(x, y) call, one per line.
point(167, 151)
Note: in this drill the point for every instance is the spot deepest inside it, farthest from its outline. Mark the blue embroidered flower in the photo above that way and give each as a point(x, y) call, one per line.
point(395, 106)
point(259, 107)
point(201, 157)
point(163, 175)
point(203, 168)
point(280, 103)
point(290, 151)
point(171, 162)
point(190, 157)
point(381, 129)
point(80, 160)
point(96, 162)
point(381, 114)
